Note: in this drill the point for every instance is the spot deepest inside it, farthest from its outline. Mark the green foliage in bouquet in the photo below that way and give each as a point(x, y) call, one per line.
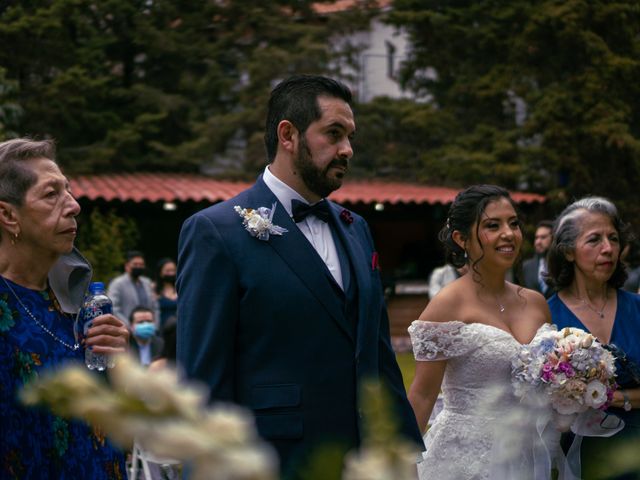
point(103, 239)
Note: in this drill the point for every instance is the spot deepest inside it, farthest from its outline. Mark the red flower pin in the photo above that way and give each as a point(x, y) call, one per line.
point(374, 261)
point(345, 216)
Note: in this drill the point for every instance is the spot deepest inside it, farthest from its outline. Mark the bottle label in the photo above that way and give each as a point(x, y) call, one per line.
point(92, 311)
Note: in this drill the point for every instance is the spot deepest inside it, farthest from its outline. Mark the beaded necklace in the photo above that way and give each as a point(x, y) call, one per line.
point(73, 347)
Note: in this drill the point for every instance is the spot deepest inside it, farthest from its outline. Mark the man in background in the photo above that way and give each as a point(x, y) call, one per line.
point(145, 345)
point(442, 276)
point(132, 289)
point(535, 268)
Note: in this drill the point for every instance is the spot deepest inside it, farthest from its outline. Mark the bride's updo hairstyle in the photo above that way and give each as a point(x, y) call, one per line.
point(467, 208)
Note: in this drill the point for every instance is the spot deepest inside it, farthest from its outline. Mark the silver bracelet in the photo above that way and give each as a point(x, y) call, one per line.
point(627, 403)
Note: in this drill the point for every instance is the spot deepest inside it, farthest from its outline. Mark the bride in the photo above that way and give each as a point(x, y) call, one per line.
point(464, 342)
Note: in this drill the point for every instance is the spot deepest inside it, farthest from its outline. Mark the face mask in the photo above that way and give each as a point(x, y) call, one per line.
point(144, 330)
point(136, 272)
point(169, 278)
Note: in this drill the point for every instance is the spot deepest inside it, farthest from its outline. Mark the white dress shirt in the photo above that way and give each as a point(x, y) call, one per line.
point(542, 271)
point(315, 230)
point(145, 353)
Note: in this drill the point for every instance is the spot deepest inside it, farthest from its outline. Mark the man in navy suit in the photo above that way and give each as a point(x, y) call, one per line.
point(279, 295)
point(535, 268)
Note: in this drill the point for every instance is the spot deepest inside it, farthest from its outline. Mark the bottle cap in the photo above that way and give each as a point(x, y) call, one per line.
point(96, 287)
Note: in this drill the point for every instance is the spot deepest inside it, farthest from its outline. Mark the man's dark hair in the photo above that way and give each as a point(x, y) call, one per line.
point(545, 224)
point(139, 309)
point(133, 254)
point(296, 99)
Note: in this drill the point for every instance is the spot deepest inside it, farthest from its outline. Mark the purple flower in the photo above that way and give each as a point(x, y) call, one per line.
point(547, 372)
point(566, 368)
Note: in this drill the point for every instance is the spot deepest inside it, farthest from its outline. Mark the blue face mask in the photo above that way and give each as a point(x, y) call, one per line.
point(144, 331)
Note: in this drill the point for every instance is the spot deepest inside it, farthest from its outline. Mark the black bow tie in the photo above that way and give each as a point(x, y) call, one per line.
point(300, 210)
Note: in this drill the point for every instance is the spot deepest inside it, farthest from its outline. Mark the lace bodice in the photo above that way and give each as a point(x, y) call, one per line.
point(477, 395)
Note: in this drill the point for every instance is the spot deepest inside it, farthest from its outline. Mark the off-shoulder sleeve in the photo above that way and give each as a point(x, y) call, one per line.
point(441, 340)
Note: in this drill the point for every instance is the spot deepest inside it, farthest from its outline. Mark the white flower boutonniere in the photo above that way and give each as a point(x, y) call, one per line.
point(258, 222)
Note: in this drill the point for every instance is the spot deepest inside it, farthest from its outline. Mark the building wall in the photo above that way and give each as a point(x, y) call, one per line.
point(380, 61)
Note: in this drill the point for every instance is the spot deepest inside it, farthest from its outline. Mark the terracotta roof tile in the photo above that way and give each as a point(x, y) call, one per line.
point(180, 187)
point(342, 5)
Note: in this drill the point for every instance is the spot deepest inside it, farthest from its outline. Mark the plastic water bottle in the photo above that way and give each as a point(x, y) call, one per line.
point(96, 303)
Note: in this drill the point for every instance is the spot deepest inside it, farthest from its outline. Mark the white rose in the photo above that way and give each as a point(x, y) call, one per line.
point(596, 394)
point(257, 223)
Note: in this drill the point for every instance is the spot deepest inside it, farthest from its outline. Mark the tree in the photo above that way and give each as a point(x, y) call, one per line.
point(162, 84)
point(104, 239)
point(536, 95)
point(10, 111)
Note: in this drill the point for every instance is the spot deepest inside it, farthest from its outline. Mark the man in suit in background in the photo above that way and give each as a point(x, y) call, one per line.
point(535, 268)
point(279, 295)
point(132, 289)
point(144, 343)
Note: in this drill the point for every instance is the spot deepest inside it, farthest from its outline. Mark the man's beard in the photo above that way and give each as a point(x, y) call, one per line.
point(315, 178)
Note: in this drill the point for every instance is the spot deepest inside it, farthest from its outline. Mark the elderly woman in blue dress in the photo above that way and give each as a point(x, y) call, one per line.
point(42, 283)
point(585, 269)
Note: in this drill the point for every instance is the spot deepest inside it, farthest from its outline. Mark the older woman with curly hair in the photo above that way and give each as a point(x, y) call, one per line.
point(584, 268)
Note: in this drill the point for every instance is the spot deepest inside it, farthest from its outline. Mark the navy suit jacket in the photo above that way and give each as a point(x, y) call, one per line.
point(262, 325)
point(530, 275)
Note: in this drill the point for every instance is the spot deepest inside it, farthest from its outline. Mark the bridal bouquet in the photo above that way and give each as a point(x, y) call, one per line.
point(569, 367)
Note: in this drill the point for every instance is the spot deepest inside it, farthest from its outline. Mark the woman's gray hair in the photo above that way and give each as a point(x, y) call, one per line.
point(567, 228)
point(16, 178)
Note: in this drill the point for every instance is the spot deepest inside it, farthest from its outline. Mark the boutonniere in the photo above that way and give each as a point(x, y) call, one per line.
point(258, 222)
point(345, 216)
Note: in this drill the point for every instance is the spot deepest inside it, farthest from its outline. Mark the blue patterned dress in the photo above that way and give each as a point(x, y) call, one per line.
point(34, 444)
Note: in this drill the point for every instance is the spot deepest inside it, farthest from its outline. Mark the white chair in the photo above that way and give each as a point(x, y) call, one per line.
point(145, 458)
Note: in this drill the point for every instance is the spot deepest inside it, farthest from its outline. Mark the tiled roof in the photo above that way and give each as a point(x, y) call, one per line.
point(180, 187)
point(342, 5)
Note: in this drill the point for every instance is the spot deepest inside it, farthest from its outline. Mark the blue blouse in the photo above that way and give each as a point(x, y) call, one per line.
point(34, 443)
point(625, 335)
point(626, 325)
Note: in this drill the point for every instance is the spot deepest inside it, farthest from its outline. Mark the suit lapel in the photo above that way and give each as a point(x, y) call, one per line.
point(296, 251)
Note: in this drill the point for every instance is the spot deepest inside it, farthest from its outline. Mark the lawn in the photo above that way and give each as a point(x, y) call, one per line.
point(407, 366)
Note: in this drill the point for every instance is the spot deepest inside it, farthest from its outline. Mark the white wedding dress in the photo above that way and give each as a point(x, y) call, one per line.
point(483, 431)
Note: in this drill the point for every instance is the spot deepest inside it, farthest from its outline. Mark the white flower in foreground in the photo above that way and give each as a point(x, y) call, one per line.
point(596, 394)
point(393, 462)
point(168, 419)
